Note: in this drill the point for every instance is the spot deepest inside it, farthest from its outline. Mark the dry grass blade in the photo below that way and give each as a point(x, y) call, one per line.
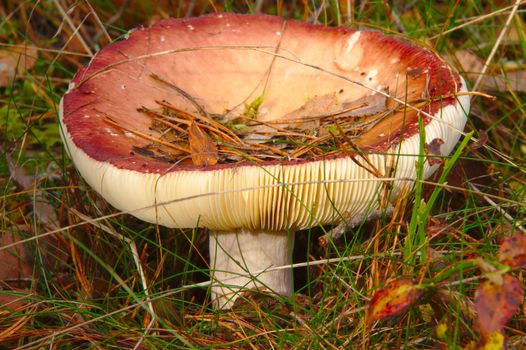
point(202, 118)
point(155, 140)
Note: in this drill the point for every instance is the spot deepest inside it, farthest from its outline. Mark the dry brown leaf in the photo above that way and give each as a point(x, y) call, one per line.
point(43, 210)
point(15, 61)
point(393, 299)
point(496, 304)
point(473, 65)
point(16, 266)
point(512, 251)
point(433, 151)
point(203, 148)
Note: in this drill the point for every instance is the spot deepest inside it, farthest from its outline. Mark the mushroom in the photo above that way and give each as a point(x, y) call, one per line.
point(216, 66)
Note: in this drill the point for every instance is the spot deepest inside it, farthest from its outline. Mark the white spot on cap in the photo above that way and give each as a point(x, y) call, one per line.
point(109, 131)
point(123, 86)
point(395, 60)
point(86, 116)
point(381, 134)
point(278, 33)
point(228, 25)
point(130, 135)
point(371, 75)
point(191, 27)
point(162, 38)
point(352, 41)
point(220, 16)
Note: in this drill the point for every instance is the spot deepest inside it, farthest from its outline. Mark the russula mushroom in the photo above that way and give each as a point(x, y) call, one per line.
point(214, 69)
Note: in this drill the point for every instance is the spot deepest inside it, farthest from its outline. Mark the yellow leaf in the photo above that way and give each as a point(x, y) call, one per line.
point(496, 341)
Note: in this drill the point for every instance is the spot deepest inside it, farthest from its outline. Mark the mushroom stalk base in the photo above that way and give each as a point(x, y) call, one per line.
point(239, 260)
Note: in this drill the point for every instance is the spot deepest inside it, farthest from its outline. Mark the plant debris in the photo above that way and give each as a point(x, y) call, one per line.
point(323, 126)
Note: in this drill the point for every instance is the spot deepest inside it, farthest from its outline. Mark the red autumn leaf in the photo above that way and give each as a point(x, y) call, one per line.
point(512, 251)
point(203, 148)
point(496, 304)
point(433, 149)
point(393, 299)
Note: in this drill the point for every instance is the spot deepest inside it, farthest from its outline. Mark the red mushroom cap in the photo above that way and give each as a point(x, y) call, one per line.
point(224, 61)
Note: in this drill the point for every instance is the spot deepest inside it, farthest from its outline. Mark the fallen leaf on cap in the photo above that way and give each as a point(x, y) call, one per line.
point(495, 304)
point(202, 146)
point(512, 251)
point(307, 116)
point(15, 61)
point(393, 299)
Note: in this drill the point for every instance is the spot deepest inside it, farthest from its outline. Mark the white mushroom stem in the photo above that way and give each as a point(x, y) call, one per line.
point(239, 260)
